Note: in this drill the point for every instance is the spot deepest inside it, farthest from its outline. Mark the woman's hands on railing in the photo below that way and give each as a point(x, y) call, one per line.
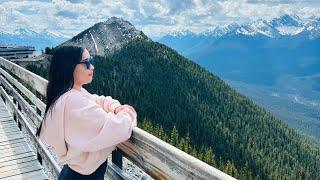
point(119, 108)
point(126, 108)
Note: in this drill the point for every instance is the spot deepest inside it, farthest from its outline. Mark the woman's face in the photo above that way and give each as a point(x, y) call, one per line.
point(81, 74)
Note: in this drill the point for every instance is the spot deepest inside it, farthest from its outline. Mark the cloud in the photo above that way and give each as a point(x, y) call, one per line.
point(155, 18)
point(76, 1)
point(67, 14)
point(282, 1)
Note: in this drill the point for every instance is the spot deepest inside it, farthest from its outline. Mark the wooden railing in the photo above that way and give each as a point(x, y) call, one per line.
point(157, 158)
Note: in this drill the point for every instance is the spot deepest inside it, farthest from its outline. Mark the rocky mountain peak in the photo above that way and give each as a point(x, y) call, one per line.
point(105, 37)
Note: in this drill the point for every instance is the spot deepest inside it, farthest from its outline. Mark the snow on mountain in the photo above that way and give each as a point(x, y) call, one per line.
point(105, 37)
point(181, 33)
point(24, 32)
point(289, 30)
point(287, 20)
point(283, 26)
point(56, 34)
point(40, 40)
point(286, 25)
point(258, 27)
point(223, 30)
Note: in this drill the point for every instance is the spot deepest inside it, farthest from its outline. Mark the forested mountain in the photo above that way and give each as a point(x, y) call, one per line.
point(275, 63)
point(191, 108)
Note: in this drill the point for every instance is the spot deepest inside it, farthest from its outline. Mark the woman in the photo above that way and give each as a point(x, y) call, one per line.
point(82, 128)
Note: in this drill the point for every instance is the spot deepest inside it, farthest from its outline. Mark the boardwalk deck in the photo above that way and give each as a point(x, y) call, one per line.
point(17, 161)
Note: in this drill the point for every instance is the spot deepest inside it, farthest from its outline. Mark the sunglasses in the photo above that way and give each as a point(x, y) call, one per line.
point(87, 62)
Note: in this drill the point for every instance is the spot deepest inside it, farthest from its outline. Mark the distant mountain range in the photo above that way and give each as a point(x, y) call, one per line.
point(40, 40)
point(286, 25)
point(275, 62)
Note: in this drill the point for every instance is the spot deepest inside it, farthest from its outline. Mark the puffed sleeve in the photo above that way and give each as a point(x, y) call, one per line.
point(106, 102)
point(52, 131)
point(89, 128)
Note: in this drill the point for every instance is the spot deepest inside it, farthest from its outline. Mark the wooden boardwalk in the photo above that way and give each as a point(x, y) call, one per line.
point(17, 161)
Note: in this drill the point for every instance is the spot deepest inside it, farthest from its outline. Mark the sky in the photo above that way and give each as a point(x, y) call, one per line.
point(154, 18)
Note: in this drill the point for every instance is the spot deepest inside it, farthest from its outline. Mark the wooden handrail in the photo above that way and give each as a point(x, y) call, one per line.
point(37, 82)
point(156, 157)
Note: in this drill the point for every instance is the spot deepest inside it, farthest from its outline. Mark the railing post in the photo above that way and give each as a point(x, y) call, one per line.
point(14, 101)
point(4, 100)
point(38, 95)
point(39, 157)
point(117, 158)
point(19, 107)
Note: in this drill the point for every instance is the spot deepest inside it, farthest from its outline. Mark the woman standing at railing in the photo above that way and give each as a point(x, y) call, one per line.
point(82, 128)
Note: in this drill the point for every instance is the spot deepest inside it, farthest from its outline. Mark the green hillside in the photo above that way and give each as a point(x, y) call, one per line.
point(189, 107)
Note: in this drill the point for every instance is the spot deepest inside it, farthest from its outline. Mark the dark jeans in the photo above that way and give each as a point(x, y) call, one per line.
point(68, 174)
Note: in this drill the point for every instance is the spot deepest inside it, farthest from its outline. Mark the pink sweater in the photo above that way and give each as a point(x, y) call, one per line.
point(83, 129)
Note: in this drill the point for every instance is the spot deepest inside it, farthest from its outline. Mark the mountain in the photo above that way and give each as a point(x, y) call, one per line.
point(284, 26)
point(40, 40)
point(263, 58)
point(105, 37)
point(175, 97)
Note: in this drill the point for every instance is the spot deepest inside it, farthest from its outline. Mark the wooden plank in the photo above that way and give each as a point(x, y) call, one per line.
point(6, 119)
point(12, 122)
point(3, 113)
point(9, 135)
point(12, 141)
point(3, 110)
point(11, 138)
point(17, 156)
point(23, 168)
point(14, 130)
point(6, 116)
point(33, 175)
point(15, 151)
point(163, 161)
point(20, 165)
point(8, 122)
point(22, 147)
point(16, 163)
point(8, 126)
point(3, 131)
point(13, 144)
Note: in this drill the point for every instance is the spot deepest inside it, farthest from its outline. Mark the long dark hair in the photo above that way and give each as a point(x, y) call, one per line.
point(60, 78)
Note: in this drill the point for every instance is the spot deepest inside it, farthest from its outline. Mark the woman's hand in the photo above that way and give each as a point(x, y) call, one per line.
point(119, 108)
